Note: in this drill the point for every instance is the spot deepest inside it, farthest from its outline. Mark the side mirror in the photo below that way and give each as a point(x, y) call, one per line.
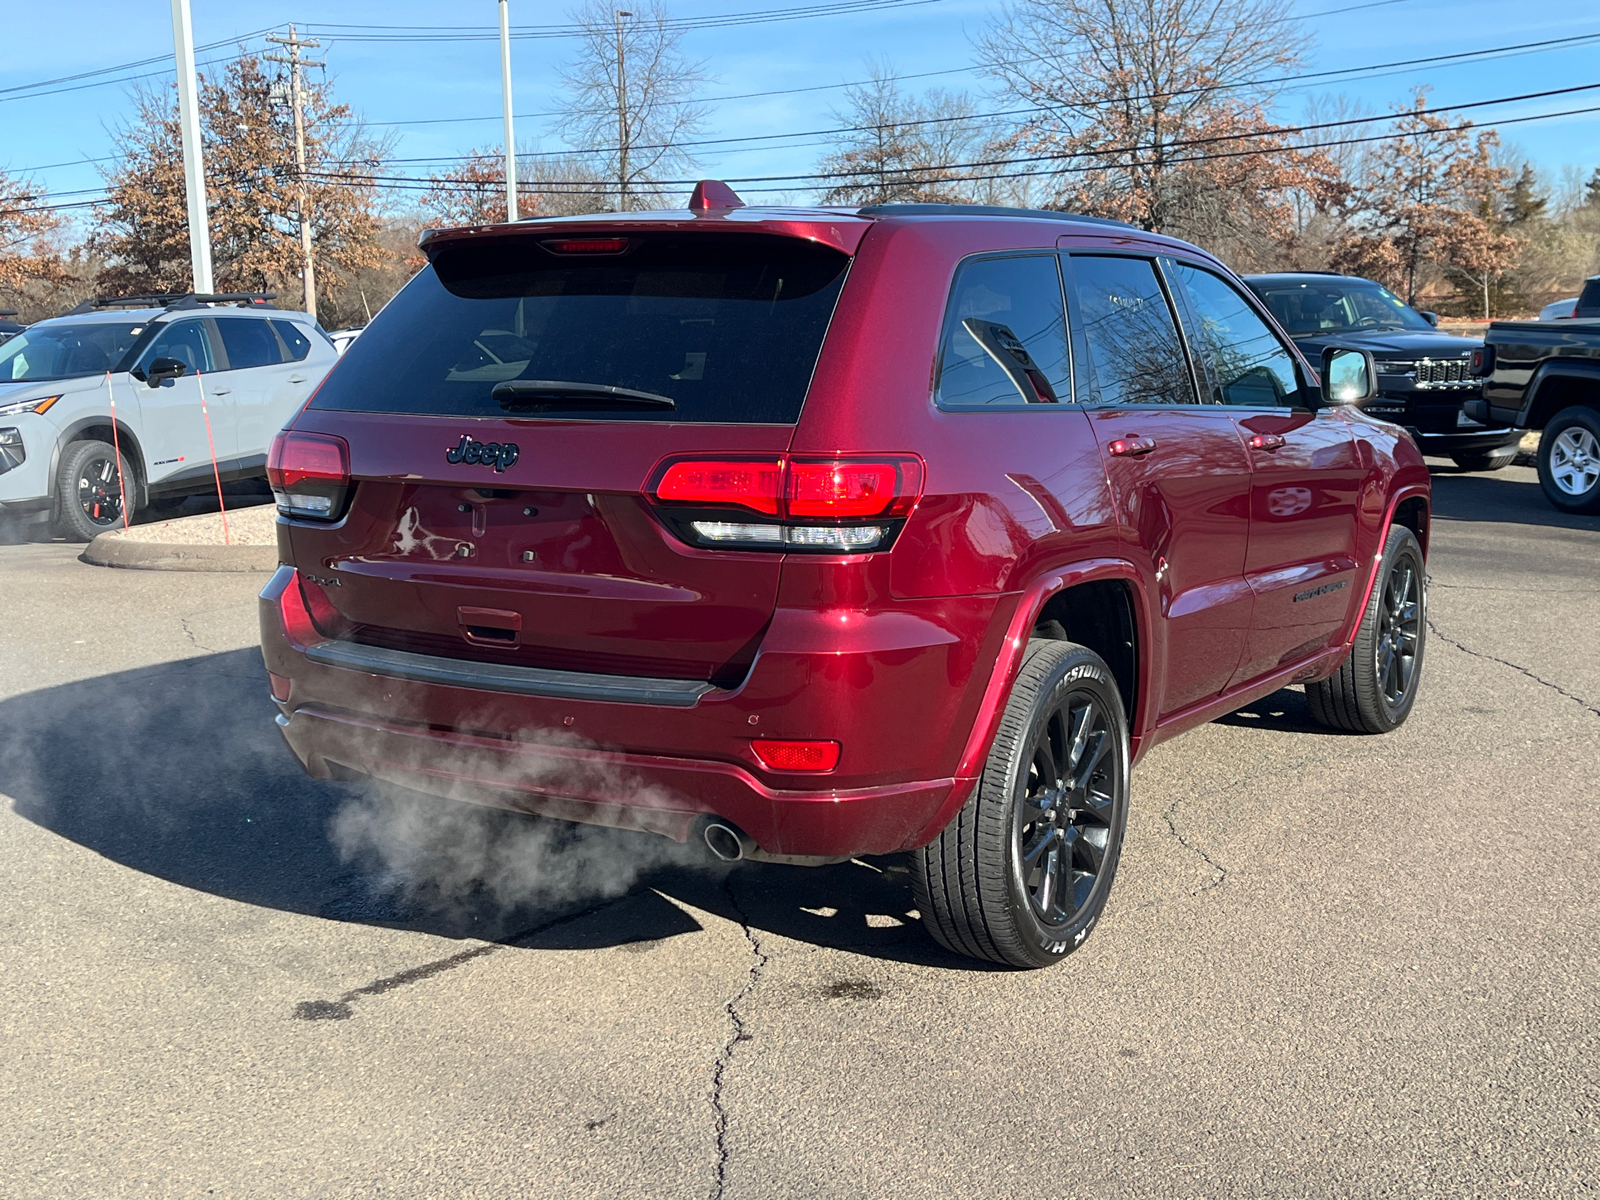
point(1348, 376)
point(1431, 318)
point(163, 369)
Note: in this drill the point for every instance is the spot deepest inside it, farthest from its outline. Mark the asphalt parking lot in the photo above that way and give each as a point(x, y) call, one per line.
point(1332, 965)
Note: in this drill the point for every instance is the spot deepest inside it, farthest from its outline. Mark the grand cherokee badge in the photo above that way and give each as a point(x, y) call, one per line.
point(498, 455)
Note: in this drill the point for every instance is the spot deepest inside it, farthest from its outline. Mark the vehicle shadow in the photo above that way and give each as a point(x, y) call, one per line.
point(1511, 496)
point(1284, 711)
point(177, 771)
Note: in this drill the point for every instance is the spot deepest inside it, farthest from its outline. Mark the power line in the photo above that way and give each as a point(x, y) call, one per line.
point(130, 66)
point(677, 187)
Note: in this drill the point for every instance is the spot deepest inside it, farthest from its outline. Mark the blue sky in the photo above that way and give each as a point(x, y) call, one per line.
point(422, 86)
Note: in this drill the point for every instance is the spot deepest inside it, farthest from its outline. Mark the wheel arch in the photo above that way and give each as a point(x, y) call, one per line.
point(1561, 384)
point(1411, 507)
point(98, 428)
point(1068, 596)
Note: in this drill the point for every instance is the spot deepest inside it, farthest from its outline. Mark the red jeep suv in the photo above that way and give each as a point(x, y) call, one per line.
point(820, 533)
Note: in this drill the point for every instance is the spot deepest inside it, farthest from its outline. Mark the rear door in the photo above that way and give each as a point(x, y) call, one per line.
point(1178, 471)
point(254, 355)
point(1306, 475)
point(550, 554)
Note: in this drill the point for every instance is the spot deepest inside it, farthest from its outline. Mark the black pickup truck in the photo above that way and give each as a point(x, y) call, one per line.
point(1545, 375)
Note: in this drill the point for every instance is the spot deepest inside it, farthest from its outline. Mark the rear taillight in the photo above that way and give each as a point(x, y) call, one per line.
point(1482, 361)
point(842, 505)
point(753, 485)
point(309, 474)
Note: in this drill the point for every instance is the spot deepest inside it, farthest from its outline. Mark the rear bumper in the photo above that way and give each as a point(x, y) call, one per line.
point(654, 793)
point(893, 693)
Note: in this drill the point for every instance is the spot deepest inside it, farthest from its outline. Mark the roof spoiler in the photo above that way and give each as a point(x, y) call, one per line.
point(171, 300)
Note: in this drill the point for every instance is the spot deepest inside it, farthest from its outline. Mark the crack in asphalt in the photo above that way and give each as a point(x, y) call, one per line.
point(1555, 687)
point(737, 1032)
point(1170, 817)
point(340, 1010)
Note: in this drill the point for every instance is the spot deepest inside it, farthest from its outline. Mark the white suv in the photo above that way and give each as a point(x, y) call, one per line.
point(253, 365)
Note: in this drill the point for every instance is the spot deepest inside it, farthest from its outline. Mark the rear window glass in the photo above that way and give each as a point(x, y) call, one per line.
point(1005, 335)
point(294, 340)
point(726, 326)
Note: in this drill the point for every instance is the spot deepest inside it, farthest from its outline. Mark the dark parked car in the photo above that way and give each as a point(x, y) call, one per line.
point(8, 327)
point(1424, 376)
point(818, 533)
point(1545, 375)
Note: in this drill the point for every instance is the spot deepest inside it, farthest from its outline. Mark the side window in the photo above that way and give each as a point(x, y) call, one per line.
point(1005, 335)
point(249, 342)
point(185, 341)
point(1248, 364)
point(1132, 337)
point(294, 340)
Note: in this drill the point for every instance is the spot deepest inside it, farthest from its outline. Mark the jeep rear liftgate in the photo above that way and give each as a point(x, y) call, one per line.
point(485, 451)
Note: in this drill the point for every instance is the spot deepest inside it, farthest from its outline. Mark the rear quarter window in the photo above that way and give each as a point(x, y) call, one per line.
point(726, 326)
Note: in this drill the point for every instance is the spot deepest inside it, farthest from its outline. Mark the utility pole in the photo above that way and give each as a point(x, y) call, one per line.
point(308, 272)
point(505, 99)
point(622, 117)
point(194, 163)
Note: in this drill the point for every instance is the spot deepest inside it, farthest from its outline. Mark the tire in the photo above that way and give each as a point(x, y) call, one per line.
point(88, 500)
point(1569, 460)
point(1485, 460)
point(977, 892)
point(1374, 689)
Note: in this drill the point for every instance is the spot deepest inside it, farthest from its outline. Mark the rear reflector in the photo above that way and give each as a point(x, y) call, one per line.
point(797, 756)
point(309, 474)
point(751, 484)
point(280, 687)
point(589, 245)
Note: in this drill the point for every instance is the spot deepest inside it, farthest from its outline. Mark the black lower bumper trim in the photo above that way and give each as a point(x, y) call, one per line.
point(499, 677)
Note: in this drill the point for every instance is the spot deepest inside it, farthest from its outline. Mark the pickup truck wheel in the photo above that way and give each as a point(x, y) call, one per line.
point(1374, 688)
point(1569, 460)
point(88, 499)
point(1022, 874)
point(1485, 460)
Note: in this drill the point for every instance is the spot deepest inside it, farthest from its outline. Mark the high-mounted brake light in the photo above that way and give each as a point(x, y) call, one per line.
point(309, 474)
point(797, 756)
point(585, 245)
point(752, 484)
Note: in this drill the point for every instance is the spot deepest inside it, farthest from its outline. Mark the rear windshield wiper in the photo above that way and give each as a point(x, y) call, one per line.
point(544, 395)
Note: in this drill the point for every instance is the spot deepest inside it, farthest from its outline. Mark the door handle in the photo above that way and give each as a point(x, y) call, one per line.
point(1268, 441)
point(1131, 447)
point(222, 391)
point(297, 379)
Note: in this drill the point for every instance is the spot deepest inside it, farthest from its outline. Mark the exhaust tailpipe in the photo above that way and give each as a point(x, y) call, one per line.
point(726, 842)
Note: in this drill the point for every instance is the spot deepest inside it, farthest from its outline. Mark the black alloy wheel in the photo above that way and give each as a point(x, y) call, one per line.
point(1374, 689)
point(1022, 874)
point(89, 490)
point(1399, 641)
point(1062, 822)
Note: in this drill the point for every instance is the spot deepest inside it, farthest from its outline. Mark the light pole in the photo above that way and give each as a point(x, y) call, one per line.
point(194, 164)
point(622, 116)
point(505, 99)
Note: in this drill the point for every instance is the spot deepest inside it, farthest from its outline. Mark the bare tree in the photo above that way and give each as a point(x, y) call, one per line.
point(473, 191)
point(1154, 111)
point(895, 147)
point(632, 93)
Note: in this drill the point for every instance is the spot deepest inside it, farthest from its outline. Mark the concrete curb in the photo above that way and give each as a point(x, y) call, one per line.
point(110, 550)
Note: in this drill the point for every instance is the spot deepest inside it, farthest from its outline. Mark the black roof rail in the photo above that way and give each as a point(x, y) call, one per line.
point(983, 210)
point(242, 299)
point(174, 300)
